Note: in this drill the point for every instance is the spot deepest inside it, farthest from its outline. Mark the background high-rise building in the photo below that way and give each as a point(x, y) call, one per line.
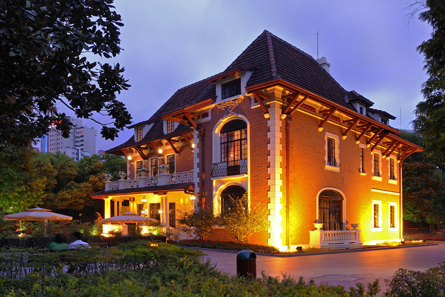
point(81, 141)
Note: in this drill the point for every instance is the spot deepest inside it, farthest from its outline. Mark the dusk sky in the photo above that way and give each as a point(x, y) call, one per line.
point(371, 46)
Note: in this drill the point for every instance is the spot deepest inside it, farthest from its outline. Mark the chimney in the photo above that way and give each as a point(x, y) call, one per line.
point(324, 63)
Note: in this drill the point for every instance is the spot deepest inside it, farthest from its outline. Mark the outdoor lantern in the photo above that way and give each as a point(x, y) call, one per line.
point(129, 158)
point(160, 151)
point(160, 211)
point(144, 200)
point(193, 145)
point(192, 198)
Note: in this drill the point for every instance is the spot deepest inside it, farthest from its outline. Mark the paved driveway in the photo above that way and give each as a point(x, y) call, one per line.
point(345, 269)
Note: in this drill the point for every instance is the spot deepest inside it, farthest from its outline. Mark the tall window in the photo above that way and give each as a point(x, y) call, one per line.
point(362, 160)
point(170, 126)
point(330, 210)
point(392, 169)
point(154, 209)
point(376, 165)
point(331, 152)
point(171, 163)
point(392, 216)
point(154, 166)
point(228, 196)
point(138, 134)
point(231, 88)
point(376, 215)
point(138, 166)
point(234, 145)
point(172, 214)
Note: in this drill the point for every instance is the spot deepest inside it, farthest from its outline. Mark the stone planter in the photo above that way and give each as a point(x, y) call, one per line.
point(108, 177)
point(163, 169)
point(143, 172)
point(318, 226)
point(122, 174)
point(354, 226)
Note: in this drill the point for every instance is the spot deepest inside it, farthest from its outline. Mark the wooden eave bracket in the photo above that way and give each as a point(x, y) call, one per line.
point(188, 116)
point(331, 112)
point(352, 126)
point(391, 148)
point(293, 99)
point(154, 148)
point(259, 98)
point(140, 152)
point(383, 135)
point(173, 147)
point(188, 140)
point(357, 140)
point(373, 137)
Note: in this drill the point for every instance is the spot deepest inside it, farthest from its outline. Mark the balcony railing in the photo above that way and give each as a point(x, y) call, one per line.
point(334, 239)
point(229, 168)
point(150, 181)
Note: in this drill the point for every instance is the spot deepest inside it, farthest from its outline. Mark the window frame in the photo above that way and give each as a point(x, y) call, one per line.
point(152, 167)
point(234, 141)
point(331, 201)
point(391, 216)
point(139, 134)
point(362, 160)
point(235, 84)
point(335, 152)
point(377, 177)
point(167, 157)
point(376, 218)
point(392, 179)
point(170, 127)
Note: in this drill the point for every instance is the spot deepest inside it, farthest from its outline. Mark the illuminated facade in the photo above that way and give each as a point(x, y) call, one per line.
point(276, 125)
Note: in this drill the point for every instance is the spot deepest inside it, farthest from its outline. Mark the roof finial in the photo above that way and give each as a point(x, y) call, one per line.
point(317, 44)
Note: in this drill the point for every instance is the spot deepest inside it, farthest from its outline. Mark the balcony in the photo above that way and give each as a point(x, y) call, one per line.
point(234, 167)
point(335, 239)
point(150, 181)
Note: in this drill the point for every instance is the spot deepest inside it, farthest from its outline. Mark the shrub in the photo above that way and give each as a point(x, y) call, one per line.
point(242, 222)
point(199, 223)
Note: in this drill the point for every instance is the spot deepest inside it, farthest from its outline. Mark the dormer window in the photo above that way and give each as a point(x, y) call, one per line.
point(384, 122)
point(231, 88)
point(170, 126)
point(361, 110)
point(139, 134)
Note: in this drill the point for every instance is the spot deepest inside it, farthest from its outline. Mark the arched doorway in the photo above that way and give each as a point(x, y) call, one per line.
point(330, 210)
point(228, 195)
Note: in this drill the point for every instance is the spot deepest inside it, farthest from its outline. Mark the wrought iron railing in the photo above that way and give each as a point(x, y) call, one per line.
point(229, 168)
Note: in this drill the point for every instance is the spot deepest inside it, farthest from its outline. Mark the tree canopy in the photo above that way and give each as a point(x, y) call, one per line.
point(46, 57)
point(430, 113)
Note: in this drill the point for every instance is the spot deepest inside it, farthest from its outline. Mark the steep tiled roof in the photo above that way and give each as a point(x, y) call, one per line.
point(382, 112)
point(270, 58)
point(354, 96)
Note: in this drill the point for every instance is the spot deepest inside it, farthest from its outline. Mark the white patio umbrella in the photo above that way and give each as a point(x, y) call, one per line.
point(38, 214)
point(128, 217)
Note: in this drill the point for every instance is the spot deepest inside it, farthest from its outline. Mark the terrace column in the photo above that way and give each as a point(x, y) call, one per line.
point(107, 208)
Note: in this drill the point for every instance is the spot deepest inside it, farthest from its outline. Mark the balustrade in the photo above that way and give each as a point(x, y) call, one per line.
point(234, 167)
point(150, 181)
point(334, 239)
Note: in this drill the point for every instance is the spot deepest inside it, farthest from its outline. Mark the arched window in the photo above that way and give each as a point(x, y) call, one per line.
point(233, 138)
point(330, 210)
point(228, 195)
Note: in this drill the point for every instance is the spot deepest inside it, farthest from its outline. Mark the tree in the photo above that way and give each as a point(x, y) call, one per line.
point(241, 222)
point(22, 179)
point(113, 164)
point(430, 113)
point(46, 52)
point(423, 192)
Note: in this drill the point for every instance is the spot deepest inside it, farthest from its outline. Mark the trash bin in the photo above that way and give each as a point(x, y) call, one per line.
point(246, 264)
